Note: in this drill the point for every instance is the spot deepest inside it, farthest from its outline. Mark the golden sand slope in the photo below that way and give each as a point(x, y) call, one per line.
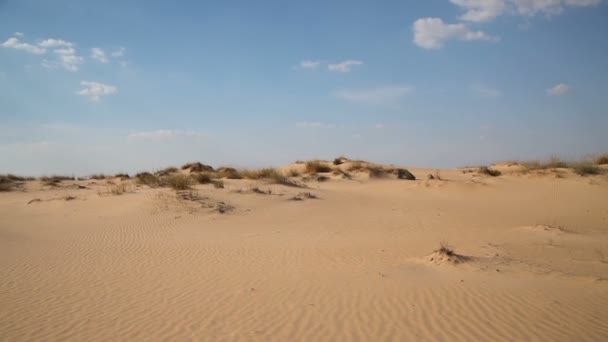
point(353, 264)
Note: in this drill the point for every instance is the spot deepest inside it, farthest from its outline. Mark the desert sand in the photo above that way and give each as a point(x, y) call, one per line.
point(347, 260)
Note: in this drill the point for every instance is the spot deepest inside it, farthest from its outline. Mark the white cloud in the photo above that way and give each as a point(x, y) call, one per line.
point(14, 43)
point(486, 91)
point(99, 55)
point(164, 134)
point(480, 10)
point(559, 89)
point(487, 10)
point(343, 66)
point(19, 34)
point(118, 53)
point(380, 95)
point(66, 58)
point(309, 64)
point(433, 33)
point(315, 124)
point(51, 43)
point(95, 90)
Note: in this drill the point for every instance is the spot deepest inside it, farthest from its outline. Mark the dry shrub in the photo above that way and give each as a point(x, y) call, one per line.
point(377, 172)
point(176, 181)
point(316, 166)
point(166, 171)
point(229, 173)
point(203, 178)
point(197, 167)
point(122, 176)
point(489, 172)
point(602, 159)
point(146, 178)
point(356, 166)
point(218, 184)
point(586, 169)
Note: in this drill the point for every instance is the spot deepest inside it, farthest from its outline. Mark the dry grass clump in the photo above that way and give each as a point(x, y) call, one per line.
point(317, 166)
point(229, 173)
point(7, 183)
point(273, 175)
point(197, 167)
point(340, 160)
point(377, 172)
point(176, 181)
point(208, 178)
point(15, 178)
point(203, 178)
point(115, 190)
point(54, 180)
point(122, 176)
point(99, 176)
point(602, 159)
point(586, 169)
point(356, 166)
point(166, 171)
point(445, 253)
point(146, 178)
point(489, 172)
point(293, 173)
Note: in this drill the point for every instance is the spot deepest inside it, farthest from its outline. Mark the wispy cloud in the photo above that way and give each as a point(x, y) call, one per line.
point(559, 89)
point(14, 43)
point(94, 90)
point(309, 64)
point(487, 10)
point(379, 95)
point(99, 55)
point(65, 52)
point(165, 134)
point(345, 66)
point(433, 33)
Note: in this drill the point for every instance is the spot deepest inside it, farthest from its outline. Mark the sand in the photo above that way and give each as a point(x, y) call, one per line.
point(357, 263)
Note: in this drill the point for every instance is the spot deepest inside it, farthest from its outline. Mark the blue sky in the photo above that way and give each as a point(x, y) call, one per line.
point(90, 86)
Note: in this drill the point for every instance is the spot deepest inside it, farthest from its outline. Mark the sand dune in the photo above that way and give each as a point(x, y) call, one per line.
point(357, 262)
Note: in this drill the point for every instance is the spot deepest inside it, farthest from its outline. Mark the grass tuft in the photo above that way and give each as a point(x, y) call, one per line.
point(489, 172)
point(316, 166)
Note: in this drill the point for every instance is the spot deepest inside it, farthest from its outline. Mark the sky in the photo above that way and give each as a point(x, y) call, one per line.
point(125, 86)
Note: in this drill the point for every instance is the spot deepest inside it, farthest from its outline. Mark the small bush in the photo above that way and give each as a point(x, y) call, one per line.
point(203, 178)
point(98, 176)
point(340, 160)
point(229, 173)
point(7, 183)
point(54, 180)
point(356, 166)
point(316, 166)
point(293, 173)
point(586, 169)
point(122, 176)
point(197, 167)
point(555, 163)
point(218, 184)
point(376, 172)
point(176, 181)
point(489, 172)
point(146, 178)
point(167, 171)
point(602, 159)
